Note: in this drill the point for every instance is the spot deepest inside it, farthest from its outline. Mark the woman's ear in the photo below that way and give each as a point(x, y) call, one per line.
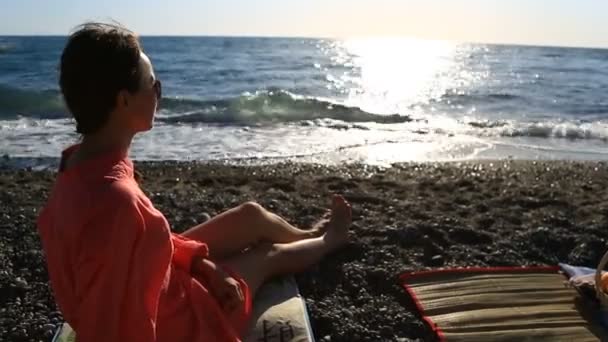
point(122, 99)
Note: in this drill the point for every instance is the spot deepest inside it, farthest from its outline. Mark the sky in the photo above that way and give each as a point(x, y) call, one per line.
point(533, 22)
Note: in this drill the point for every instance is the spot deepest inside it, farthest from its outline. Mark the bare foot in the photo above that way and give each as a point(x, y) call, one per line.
point(320, 227)
point(339, 223)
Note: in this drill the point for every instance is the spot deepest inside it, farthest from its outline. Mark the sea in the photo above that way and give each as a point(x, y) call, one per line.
point(373, 101)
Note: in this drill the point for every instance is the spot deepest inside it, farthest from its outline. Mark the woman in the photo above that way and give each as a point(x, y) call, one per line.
point(117, 271)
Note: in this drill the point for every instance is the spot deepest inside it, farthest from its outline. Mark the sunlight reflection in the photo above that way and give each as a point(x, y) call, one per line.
point(396, 73)
point(412, 77)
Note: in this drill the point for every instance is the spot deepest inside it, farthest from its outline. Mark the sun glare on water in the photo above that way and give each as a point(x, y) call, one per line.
point(395, 73)
point(401, 76)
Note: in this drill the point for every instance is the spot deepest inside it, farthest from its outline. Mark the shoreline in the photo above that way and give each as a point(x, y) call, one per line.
point(411, 216)
point(12, 163)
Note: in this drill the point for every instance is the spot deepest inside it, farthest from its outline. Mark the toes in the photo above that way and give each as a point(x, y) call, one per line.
point(338, 201)
point(341, 209)
point(335, 201)
point(321, 222)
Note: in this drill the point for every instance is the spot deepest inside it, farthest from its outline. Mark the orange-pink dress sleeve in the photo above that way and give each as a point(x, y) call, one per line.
point(185, 249)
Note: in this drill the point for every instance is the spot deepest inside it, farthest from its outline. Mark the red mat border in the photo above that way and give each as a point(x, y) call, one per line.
point(404, 277)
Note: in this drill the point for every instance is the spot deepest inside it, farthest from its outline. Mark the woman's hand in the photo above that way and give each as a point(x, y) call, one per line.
point(226, 290)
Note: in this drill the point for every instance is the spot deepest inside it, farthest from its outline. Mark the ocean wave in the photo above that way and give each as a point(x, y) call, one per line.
point(277, 106)
point(261, 107)
point(552, 55)
point(6, 47)
point(572, 130)
point(271, 106)
point(454, 97)
point(44, 104)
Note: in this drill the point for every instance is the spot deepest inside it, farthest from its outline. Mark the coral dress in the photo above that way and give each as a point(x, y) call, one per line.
point(117, 271)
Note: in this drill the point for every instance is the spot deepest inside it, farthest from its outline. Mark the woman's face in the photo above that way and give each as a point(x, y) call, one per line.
point(143, 103)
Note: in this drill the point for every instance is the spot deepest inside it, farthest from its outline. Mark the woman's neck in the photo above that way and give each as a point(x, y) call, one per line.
point(102, 142)
point(96, 145)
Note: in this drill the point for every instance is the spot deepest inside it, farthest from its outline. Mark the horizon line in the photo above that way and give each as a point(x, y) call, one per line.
point(354, 37)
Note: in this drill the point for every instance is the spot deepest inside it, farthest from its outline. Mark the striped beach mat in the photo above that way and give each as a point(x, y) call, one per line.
point(502, 304)
point(279, 314)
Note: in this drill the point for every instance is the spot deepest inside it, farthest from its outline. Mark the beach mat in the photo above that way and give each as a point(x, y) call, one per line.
point(279, 314)
point(501, 304)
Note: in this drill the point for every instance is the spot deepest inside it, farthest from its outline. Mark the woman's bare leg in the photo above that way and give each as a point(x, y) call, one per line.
point(267, 260)
point(236, 229)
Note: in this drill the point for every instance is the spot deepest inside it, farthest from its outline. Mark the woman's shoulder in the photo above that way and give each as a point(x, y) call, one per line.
point(120, 192)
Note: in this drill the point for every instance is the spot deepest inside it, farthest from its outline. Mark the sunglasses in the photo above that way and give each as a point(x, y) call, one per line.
point(158, 89)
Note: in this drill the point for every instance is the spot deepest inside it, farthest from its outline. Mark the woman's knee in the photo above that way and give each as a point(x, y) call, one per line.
point(251, 210)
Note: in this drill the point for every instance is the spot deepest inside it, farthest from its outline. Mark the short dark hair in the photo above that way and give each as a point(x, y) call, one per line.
point(98, 61)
